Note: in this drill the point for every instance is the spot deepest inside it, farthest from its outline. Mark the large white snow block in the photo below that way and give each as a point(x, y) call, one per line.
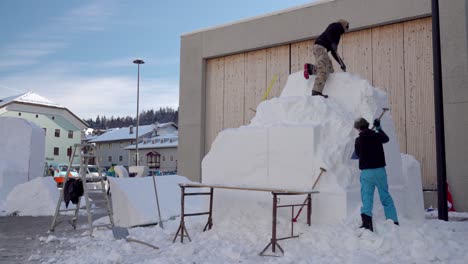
point(292, 136)
point(237, 167)
point(35, 198)
point(414, 200)
point(134, 200)
point(22, 153)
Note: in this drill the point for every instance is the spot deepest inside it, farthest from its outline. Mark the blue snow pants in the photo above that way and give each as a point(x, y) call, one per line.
point(371, 178)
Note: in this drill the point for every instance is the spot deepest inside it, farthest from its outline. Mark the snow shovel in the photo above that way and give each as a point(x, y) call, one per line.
point(122, 233)
point(157, 203)
point(354, 156)
point(322, 170)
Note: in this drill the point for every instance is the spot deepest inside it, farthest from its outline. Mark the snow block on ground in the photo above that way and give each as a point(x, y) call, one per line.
point(37, 197)
point(291, 137)
point(134, 200)
point(22, 154)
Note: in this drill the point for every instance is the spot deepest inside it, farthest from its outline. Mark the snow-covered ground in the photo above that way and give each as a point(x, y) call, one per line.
point(237, 241)
point(238, 237)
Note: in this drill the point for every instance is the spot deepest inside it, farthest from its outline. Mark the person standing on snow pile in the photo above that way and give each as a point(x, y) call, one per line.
point(327, 41)
point(369, 148)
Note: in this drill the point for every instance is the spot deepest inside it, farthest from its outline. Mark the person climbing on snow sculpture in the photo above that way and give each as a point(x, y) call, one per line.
point(369, 149)
point(327, 41)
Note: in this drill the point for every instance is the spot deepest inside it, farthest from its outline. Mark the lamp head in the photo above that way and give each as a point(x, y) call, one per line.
point(138, 61)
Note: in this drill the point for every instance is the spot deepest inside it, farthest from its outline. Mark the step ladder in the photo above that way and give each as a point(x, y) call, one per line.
point(85, 152)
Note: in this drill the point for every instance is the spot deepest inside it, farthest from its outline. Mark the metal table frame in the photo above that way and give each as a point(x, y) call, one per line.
point(182, 230)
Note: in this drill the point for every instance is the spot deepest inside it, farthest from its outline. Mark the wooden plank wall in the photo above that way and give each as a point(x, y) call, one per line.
point(388, 73)
point(396, 58)
point(214, 100)
point(419, 88)
point(255, 81)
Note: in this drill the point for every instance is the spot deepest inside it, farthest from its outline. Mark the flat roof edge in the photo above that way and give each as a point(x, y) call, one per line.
point(319, 2)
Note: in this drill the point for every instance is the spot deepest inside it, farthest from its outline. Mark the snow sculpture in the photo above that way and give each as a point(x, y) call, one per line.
point(292, 136)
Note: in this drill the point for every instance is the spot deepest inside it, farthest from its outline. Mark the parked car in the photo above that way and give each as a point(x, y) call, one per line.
point(92, 170)
point(61, 171)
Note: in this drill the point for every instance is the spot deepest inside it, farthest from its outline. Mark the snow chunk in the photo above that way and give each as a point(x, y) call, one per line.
point(134, 201)
point(35, 198)
point(22, 156)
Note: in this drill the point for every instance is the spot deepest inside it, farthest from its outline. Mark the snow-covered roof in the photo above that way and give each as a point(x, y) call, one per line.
point(124, 133)
point(166, 141)
point(30, 98)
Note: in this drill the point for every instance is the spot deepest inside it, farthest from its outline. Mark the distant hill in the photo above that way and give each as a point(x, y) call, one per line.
point(162, 115)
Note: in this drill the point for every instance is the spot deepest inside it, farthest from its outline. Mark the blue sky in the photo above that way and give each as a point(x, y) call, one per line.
point(79, 53)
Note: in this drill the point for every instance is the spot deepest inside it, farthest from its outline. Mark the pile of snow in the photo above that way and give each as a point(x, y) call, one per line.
point(292, 136)
point(22, 150)
point(240, 241)
point(34, 198)
point(134, 200)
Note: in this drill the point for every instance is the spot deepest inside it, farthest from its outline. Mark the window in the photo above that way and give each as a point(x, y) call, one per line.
point(37, 116)
point(109, 158)
point(57, 132)
point(56, 151)
point(110, 145)
point(120, 158)
point(19, 114)
point(53, 118)
point(100, 159)
point(45, 130)
point(69, 151)
point(122, 144)
point(70, 133)
point(164, 158)
point(172, 158)
point(99, 146)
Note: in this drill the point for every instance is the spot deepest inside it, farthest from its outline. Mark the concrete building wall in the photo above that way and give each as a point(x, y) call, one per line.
point(115, 150)
point(454, 50)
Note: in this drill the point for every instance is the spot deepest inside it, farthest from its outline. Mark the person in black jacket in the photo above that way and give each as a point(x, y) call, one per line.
point(369, 149)
point(327, 41)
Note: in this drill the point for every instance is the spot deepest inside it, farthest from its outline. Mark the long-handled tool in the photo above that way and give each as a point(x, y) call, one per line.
point(157, 203)
point(122, 233)
point(384, 109)
point(322, 170)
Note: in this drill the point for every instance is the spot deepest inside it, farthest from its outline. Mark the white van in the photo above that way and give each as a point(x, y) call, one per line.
point(92, 171)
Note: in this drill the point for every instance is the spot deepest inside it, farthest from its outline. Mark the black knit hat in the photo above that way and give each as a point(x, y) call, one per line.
point(361, 124)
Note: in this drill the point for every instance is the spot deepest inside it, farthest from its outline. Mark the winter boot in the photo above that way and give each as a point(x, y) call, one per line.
point(314, 93)
point(309, 69)
point(367, 222)
point(396, 223)
point(306, 71)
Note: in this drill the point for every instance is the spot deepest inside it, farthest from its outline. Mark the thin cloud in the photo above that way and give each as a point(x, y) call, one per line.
point(55, 35)
point(91, 96)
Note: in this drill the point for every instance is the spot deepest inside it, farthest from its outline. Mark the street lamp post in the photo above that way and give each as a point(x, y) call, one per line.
point(138, 61)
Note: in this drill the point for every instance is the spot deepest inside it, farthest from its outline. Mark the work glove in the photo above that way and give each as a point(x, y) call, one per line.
point(377, 124)
point(343, 67)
